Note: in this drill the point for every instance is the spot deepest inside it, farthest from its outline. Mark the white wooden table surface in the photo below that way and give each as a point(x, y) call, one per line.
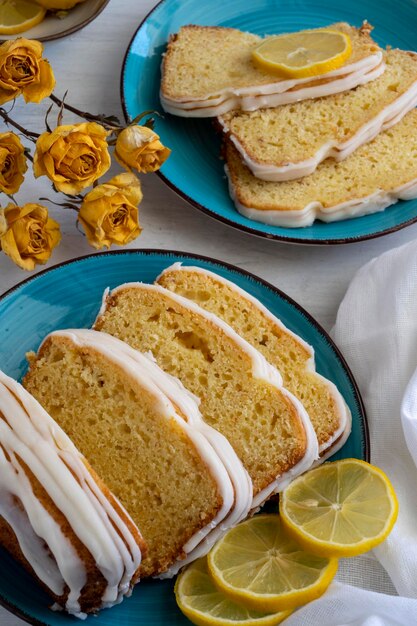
point(88, 64)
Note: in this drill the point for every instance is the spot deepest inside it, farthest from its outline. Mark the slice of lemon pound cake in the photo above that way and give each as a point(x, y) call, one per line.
point(57, 517)
point(292, 356)
point(161, 468)
point(208, 71)
point(375, 176)
point(289, 141)
point(241, 394)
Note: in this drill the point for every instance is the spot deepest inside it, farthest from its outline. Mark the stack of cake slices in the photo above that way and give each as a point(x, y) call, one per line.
point(328, 147)
point(185, 408)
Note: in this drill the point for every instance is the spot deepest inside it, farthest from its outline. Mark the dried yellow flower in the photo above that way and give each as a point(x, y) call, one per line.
point(28, 235)
point(23, 71)
point(140, 148)
point(72, 157)
point(109, 213)
point(12, 163)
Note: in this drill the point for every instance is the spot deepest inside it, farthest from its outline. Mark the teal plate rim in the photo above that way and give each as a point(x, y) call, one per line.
point(225, 220)
point(14, 609)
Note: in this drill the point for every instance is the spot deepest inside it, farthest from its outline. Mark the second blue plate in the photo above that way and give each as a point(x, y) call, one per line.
point(194, 169)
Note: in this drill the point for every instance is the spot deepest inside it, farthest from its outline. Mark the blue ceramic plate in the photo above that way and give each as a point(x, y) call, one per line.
point(194, 169)
point(69, 295)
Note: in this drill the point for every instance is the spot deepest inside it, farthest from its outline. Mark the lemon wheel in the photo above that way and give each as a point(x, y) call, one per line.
point(303, 54)
point(340, 509)
point(204, 604)
point(17, 16)
point(260, 566)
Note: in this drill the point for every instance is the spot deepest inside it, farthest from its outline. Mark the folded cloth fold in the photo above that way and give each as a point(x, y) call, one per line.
point(344, 605)
point(376, 330)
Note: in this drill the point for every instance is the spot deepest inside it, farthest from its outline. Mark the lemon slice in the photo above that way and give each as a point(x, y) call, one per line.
point(343, 508)
point(303, 54)
point(258, 565)
point(203, 604)
point(17, 16)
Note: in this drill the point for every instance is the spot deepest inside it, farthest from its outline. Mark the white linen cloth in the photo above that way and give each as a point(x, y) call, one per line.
point(376, 330)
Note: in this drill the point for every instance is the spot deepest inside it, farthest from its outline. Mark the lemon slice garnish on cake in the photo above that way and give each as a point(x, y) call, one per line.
point(204, 604)
point(341, 509)
point(258, 565)
point(303, 54)
point(17, 16)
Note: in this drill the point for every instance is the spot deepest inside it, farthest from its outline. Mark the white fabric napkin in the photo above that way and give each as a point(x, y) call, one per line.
point(376, 330)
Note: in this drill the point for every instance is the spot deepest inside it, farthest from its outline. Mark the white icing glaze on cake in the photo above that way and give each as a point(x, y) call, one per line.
point(386, 118)
point(279, 92)
point(343, 410)
point(30, 435)
point(260, 369)
point(358, 207)
point(232, 480)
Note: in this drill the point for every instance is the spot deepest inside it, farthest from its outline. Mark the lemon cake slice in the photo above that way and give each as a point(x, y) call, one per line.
point(56, 516)
point(162, 468)
point(375, 176)
point(241, 393)
point(289, 141)
point(292, 356)
point(207, 71)
point(240, 486)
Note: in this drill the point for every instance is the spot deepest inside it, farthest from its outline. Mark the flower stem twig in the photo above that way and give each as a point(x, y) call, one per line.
point(110, 122)
point(61, 110)
point(48, 128)
point(64, 205)
point(28, 155)
point(32, 136)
